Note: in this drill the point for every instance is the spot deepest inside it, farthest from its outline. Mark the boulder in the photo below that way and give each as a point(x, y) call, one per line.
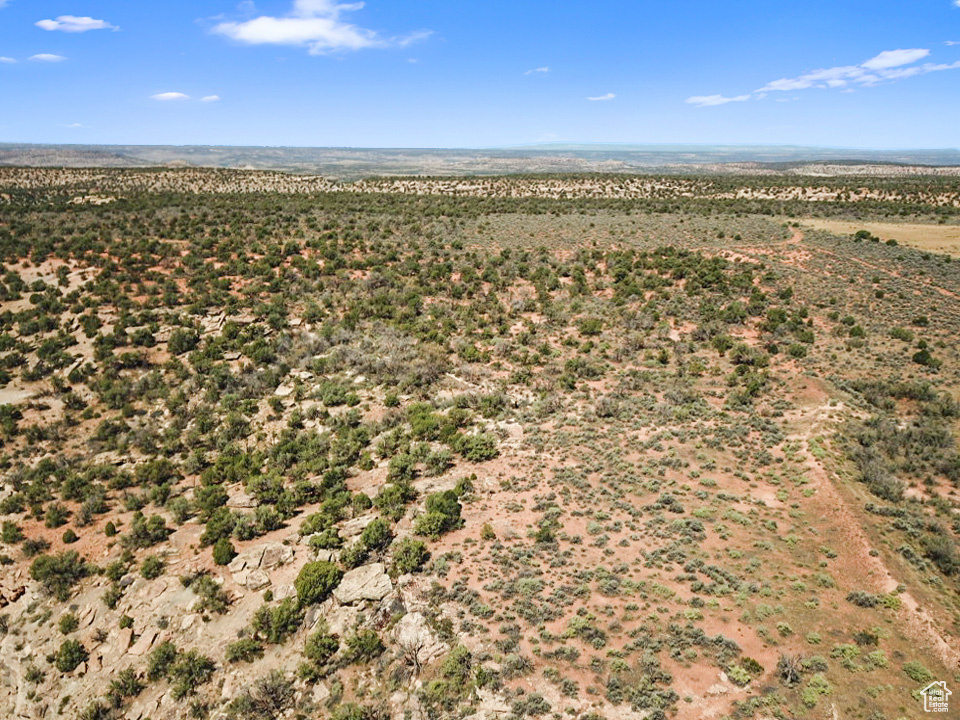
point(282, 592)
point(124, 639)
point(242, 501)
point(248, 559)
point(342, 620)
point(144, 643)
point(188, 621)
point(257, 579)
point(414, 635)
point(369, 582)
point(491, 705)
point(328, 555)
point(352, 528)
point(275, 554)
point(321, 693)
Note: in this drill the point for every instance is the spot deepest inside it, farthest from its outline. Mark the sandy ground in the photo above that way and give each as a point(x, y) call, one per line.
point(932, 238)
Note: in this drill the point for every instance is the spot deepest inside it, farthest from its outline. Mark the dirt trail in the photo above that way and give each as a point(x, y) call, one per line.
point(870, 570)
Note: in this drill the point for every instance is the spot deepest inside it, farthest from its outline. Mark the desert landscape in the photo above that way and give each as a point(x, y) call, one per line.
point(564, 446)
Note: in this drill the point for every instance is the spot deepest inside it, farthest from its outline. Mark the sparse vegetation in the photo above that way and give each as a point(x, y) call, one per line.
point(595, 418)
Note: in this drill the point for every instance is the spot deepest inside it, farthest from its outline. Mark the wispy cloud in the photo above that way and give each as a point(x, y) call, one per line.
point(316, 25)
point(888, 66)
point(47, 57)
point(542, 70)
point(6, 60)
point(951, 43)
point(714, 100)
point(4, 3)
point(168, 96)
point(74, 24)
point(210, 99)
point(895, 58)
point(602, 98)
point(74, 125)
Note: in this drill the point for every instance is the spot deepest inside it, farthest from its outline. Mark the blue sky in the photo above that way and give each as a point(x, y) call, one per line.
point(481, 73)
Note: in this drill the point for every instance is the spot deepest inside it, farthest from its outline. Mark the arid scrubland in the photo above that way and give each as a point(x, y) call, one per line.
point(586, 447)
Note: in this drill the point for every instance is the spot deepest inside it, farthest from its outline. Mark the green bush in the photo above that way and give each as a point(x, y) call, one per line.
point(152, 567)
point(190, 670)
point(59, 573)
point(321, 646)
point(68, 623)
point(269, 697)
point(223, 551)
point(363, 646)
point(354, 555)
point(377, 535)
point(276, 624)
point(454, 681)
point(409, 555)
point(160, 660)
point(863, 599)
point(393, 499)
point(211, 595)
point(442, 515)
point(245, 650)
point(70, 655)
point(145, 532)
point(316, 581)
point(11, 533)
point(125, 685)
point(917, 672)
point(476, 448)
point(56, 515)
point(182, 341)
point(351, 711)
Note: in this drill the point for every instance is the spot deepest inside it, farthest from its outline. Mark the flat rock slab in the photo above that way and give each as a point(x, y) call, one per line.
point(144, 643)
point(414, 634)
point(266, 556)
point(257, 579)
point(241, 500)
point(275, 554)
point(369, 582)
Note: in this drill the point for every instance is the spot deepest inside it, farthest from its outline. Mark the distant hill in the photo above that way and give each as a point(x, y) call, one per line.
point(354, 163)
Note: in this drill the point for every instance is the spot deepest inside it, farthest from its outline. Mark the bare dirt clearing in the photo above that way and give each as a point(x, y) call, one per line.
point(932, 238)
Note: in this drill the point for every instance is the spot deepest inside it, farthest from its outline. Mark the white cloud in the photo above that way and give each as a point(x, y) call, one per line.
point(895, 58)
point(714, 100)
point(888, 66)
point(956, 2)
point(74, 24)
point(210, 99)
point(951, 43)
point(74, 125)
point(168, 96)
point(543, 70)
point(315, 24)
point(47, 57)
point(6, 60)
point(601, 98)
